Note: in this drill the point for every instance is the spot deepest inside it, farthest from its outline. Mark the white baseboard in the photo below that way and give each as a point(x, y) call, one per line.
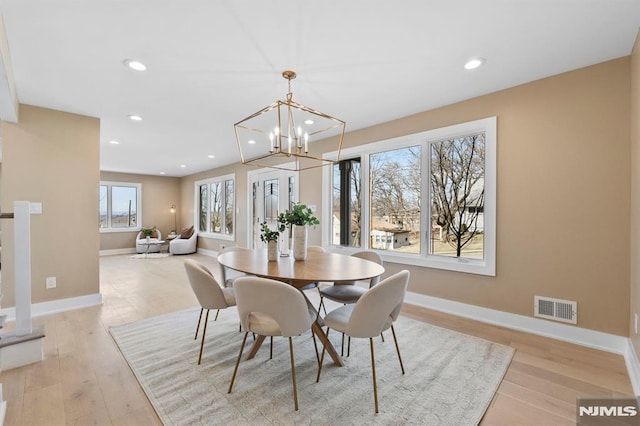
point(55, 306)
point(580, 336)
point(206, 252)
point(633, 367)
point(112, 252)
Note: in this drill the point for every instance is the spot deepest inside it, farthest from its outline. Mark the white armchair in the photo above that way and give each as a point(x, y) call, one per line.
point(181, 245)
point(153, 247)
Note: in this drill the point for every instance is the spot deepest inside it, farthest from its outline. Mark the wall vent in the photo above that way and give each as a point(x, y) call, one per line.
point(556, 309)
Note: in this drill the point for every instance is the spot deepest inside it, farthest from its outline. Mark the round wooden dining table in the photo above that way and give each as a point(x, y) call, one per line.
point(317, 267)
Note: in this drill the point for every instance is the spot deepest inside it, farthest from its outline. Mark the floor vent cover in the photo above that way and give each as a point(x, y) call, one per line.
point(556, 309)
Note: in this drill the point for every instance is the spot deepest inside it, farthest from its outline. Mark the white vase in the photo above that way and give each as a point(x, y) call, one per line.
point(148, 239)
point(299, 242)
point(272, 251)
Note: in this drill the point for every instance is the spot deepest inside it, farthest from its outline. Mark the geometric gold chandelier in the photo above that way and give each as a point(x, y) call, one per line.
point(282, 135)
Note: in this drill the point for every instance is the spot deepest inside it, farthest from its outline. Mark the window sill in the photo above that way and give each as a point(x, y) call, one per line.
point(469, 266)
point(214, 236)
point(112, 230)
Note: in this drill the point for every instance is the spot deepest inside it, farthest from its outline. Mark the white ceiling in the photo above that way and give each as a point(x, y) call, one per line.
point(211, 63)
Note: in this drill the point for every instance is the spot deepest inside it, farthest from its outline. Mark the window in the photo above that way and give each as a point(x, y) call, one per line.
point(215, 205)
point(428, 199)
point(119, 206)
point(346, 202)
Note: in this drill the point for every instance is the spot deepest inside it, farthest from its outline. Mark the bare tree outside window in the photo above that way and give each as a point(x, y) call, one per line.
point(457, 196)
point(228, 206)
point(203, 208)
point(216, 207)
point(395, 178)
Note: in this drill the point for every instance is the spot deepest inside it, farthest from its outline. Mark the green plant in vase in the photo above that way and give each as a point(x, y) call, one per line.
point(267, 234)
point(270, 237)
point(148, 232)
point(300, 215)
point(299, 218)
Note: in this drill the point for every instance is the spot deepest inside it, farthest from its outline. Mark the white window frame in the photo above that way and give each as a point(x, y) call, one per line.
point(485, 266)
point(196, 206)
point(109, 229)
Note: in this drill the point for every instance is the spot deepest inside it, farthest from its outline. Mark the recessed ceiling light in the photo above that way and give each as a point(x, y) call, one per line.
point(135, 117)
point(114, 142)
point(308, 121)
point(474, 63)
point(211, 156)
point(183, 165)
point(135, 65)
point(162, 173)
point(251, 142)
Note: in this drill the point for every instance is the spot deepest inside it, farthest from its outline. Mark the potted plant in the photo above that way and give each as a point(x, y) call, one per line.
point(148, 232)
point(271, 238)
point(299, 217)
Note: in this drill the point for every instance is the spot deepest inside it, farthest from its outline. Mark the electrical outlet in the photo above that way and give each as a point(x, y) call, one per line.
point(51, 282)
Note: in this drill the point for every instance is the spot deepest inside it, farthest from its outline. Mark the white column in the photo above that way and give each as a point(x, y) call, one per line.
point(22, 257)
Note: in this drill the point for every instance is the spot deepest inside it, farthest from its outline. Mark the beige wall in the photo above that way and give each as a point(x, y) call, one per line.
point(53, 157)
point(563, 195)
point(635, 192)
point(158, 194)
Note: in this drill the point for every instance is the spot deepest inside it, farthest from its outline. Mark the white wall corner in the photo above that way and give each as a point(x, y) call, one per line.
point(633, 367)
point(8, 94)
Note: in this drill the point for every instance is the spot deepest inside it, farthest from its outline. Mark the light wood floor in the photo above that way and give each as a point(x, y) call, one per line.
point(84, 380)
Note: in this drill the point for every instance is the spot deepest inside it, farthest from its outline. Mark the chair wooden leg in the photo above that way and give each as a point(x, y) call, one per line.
point(217, 312)
point(198, 326)
point(204, 333)
point(324, 349)
point(271, 347)
point(393, 331)
point(382, 336)
point(348, 346)
point(293, 374)
point(373, 370)
point(342, 346)
point(235, 370)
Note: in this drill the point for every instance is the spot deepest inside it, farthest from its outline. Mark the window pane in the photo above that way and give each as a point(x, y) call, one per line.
point(271, 199)
point(346, 203)
point(216, 206)
point(124, 206)
point(202, 223)
point(228, 206)
point(292, 195)
point(335, 216)
point(457, 197)
point(395, 200)
point(102, 207)
point(355, 204)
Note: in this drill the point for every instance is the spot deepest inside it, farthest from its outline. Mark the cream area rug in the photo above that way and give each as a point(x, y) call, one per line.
point(149, 256)
point(450, 377)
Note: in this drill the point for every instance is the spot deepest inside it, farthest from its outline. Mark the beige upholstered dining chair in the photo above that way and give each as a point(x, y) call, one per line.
point(374, 312)
point(271, 308)
point(347, 292)
point(228, 275)
point(208, 293)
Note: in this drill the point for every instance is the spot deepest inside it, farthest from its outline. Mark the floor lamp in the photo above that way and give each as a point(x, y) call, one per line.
point(173, 210)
